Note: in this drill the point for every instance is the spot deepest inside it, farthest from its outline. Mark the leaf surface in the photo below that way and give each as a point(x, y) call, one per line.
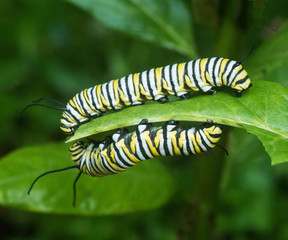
point(163, 22)
point(262, 110)
point(145, 186)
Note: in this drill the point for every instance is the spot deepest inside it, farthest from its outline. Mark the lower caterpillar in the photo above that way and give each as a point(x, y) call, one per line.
point(124, 150)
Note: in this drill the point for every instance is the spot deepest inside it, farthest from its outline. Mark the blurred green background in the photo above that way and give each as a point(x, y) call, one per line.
point(56, 49)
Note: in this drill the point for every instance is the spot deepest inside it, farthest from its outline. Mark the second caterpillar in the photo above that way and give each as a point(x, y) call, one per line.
point(126, 149)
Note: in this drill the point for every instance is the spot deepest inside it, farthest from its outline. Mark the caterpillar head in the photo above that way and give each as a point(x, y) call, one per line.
point(212, 131)
point(212, 128)
point(240, 80)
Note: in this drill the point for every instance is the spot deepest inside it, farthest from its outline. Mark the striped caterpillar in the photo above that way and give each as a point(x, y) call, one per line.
point(124, 150)
point(155, 84)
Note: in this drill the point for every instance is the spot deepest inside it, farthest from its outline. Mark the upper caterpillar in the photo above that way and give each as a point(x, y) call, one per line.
point(154, 84)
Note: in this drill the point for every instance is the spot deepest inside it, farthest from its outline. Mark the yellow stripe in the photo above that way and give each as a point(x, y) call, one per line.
point(112, 165)
point(203, 62)
point(165, 86)
point(188, 82)
point(131, 157)
point(69, 119)
point(87, 100)
point(181, 76)
point(158, 77)
point(116, 93)
point(181, 139)
point(112, 153)
point(98, 94)
point(123, 97)
point(197, 149)
point(144, 93)
point(104, 101)
point(65, 130)
point(150, 144)
point(222, 66)
point(77, 106)
point(174, 142)
point(133, 143)
point(158, 137)
point(136, 86)
point(98, 161)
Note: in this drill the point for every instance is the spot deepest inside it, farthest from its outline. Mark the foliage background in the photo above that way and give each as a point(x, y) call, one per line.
point(56, 48)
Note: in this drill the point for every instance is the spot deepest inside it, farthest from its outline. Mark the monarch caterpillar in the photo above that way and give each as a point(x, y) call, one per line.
point(124, 150)
point(204, 75)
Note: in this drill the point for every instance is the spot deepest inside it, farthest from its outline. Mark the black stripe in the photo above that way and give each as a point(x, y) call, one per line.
point(178, 134)
point(242, 80)
point(143, 97)
point(92, 159)
point(95, 99)
point(224, 70)
point(165, 141)
point(229, 74)
point(163, 77)
point(171, 77)
point(80, 103)
point(119, 158)
point(186, 74)
point(204, 142)
point(138, 134)
point(238, 73)
point(148, 83)
point(110, 100)
point(92, 100)
point(194, 74)
point(206, 71)
point(213, 71)
point(101, 102)
point(189, 150)
point(68, 112)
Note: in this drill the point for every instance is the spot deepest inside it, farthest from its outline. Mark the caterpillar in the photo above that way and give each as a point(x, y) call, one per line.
point(156, 84)
point(126, 149)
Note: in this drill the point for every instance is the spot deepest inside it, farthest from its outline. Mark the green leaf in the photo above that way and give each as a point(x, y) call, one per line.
point(163, 22)
point(262, 110)
point(269, 57)
point(145, 186)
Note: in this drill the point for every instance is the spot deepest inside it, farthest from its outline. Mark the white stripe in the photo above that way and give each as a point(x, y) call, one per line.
point(229, 68)
point(152, 81)
point(216, 72)
point(190, 74)
point(232, 76)
point(124, 90)
point(167, 78)
point(174, 78)
point(191, 134)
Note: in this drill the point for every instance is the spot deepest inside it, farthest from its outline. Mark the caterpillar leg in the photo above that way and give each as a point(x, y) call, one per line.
point(184, 96)
point(105, 142)
point(143, 125)
point(143, 122)
point(212, 91)
point(172, 122)
point(119, 134)
point(162, 99)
